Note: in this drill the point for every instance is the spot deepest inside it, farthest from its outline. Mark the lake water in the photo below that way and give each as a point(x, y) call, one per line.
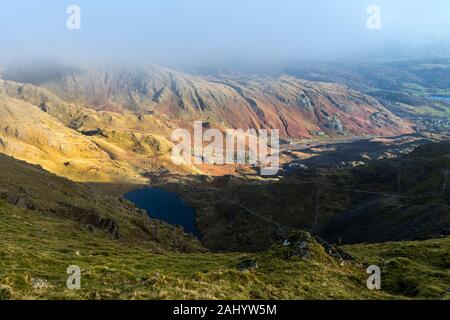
point(167, 206)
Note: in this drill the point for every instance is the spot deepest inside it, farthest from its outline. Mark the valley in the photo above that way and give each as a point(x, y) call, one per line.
point(87, 178)
point(249, 213)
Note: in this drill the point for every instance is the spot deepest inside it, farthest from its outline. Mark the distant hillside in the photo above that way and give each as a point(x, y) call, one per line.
point(408, 86)
point(114, 125)
point(414, 199)
point(298, 108)
point(28, 133)
point(80, 143)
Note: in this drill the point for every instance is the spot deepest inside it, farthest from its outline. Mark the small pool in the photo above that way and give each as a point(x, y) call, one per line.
point(166, 206)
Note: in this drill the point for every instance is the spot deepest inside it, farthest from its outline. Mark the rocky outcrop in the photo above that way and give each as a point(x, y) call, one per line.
point(305, 246)
point(89, 218)
point(20, 200)
point(247, 264)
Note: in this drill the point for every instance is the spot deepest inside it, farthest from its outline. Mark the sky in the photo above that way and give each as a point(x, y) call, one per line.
point(172, 32)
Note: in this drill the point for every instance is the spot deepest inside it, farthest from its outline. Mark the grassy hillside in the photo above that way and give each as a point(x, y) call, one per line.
point(413, 269)
point(32, 189)
point(49, 223)
point(36, 250)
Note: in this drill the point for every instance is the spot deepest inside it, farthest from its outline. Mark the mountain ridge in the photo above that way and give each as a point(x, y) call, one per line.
point(298, 108)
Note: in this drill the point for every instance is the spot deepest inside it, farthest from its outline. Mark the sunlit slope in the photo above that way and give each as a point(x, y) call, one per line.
point(115, 124)
point(126, 145)
point(28, 133)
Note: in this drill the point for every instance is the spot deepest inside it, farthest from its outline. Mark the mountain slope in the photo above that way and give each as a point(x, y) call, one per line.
point(47, 197)
point(35, 256)
point(416, 269)
point(409, 87)
point(300, 109)
point(49, 223)
point(126, 144)
point(30, 134)
point(36, 251)
point(305, 109)
point(116, 123)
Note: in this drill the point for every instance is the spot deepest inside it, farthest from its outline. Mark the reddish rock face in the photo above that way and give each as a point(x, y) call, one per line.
point(298, 108)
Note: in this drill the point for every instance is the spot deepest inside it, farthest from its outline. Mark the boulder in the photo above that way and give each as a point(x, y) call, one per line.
point(247, 264)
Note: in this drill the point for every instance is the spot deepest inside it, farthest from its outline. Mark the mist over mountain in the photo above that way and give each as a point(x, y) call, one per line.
point(179, 33)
